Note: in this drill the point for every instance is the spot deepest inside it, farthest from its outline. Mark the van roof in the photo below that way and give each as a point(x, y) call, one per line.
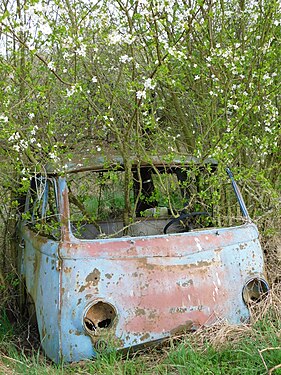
point(103, 163)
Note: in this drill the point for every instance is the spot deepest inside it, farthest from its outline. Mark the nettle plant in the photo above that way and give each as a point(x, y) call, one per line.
point(140, 78)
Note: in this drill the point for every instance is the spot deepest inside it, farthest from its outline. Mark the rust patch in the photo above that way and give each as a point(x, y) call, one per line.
point(145, 337)
point(67, 269)
point(187, 326)
point(75, 332)
point(139, 312)
point(44, 333)
point(108, 275)
point(35, 265)
point(218, 250)
point(152, 314)
point(91, 280)
point(88, 296)
point(243, 246)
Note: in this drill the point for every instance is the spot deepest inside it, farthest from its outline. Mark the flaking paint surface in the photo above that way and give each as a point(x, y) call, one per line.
point(161, 289)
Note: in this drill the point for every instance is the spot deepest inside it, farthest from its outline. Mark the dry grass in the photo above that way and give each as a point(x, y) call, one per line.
point(6, 369)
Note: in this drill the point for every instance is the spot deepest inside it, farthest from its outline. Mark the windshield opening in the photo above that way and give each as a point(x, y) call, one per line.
point(163, 200)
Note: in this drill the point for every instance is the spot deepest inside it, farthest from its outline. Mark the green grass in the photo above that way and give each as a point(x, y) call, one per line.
point(254, 353)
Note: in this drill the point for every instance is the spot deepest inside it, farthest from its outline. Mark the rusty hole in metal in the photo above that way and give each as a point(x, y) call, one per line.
point(99, 315)
point(255, 290)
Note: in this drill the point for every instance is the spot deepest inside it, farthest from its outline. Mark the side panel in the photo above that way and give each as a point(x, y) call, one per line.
point(39, 268)
point(155, 286)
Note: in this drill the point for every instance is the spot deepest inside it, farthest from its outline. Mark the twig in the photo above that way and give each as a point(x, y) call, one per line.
point(263, 361)
point(274, 368)
point(270, 371)
point(121, 230)
point(15, 360)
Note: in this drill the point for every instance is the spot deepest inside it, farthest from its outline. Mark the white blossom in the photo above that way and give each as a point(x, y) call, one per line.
point(141, 94)
point(51, 65)
point(172, 51)
point(73, 90)
point(268, 129)
point(125, 58)
point(23, 144)
point(94, 79)
point(81, 51)
point(115, 37)
point(45, 29)
point(148, 84)
point(14, 137)
point(4, 118)
point(31, 115)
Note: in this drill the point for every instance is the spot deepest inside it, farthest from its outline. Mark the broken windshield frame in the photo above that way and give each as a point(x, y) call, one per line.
point(151, 206)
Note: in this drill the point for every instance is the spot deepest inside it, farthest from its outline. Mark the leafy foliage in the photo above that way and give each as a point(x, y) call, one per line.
point(138, 79)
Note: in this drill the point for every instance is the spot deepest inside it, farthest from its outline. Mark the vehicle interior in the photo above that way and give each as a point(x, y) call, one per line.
point(163, 199)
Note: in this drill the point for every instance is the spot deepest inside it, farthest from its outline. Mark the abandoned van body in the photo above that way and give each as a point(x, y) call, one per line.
point(96, 285)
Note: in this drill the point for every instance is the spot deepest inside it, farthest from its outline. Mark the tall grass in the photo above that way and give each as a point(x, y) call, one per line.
point(252, 349)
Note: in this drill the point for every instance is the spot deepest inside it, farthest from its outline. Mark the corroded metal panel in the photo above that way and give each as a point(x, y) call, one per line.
point(157, 286)
point(40, 270)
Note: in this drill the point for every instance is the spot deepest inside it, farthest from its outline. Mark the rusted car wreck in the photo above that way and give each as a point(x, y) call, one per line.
point(96, 284)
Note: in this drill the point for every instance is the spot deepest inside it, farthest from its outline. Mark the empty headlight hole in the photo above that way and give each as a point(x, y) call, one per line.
point(99, 315)
point(255, 290)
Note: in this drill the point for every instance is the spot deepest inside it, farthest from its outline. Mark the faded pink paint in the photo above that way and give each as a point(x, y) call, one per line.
point(174, 245)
